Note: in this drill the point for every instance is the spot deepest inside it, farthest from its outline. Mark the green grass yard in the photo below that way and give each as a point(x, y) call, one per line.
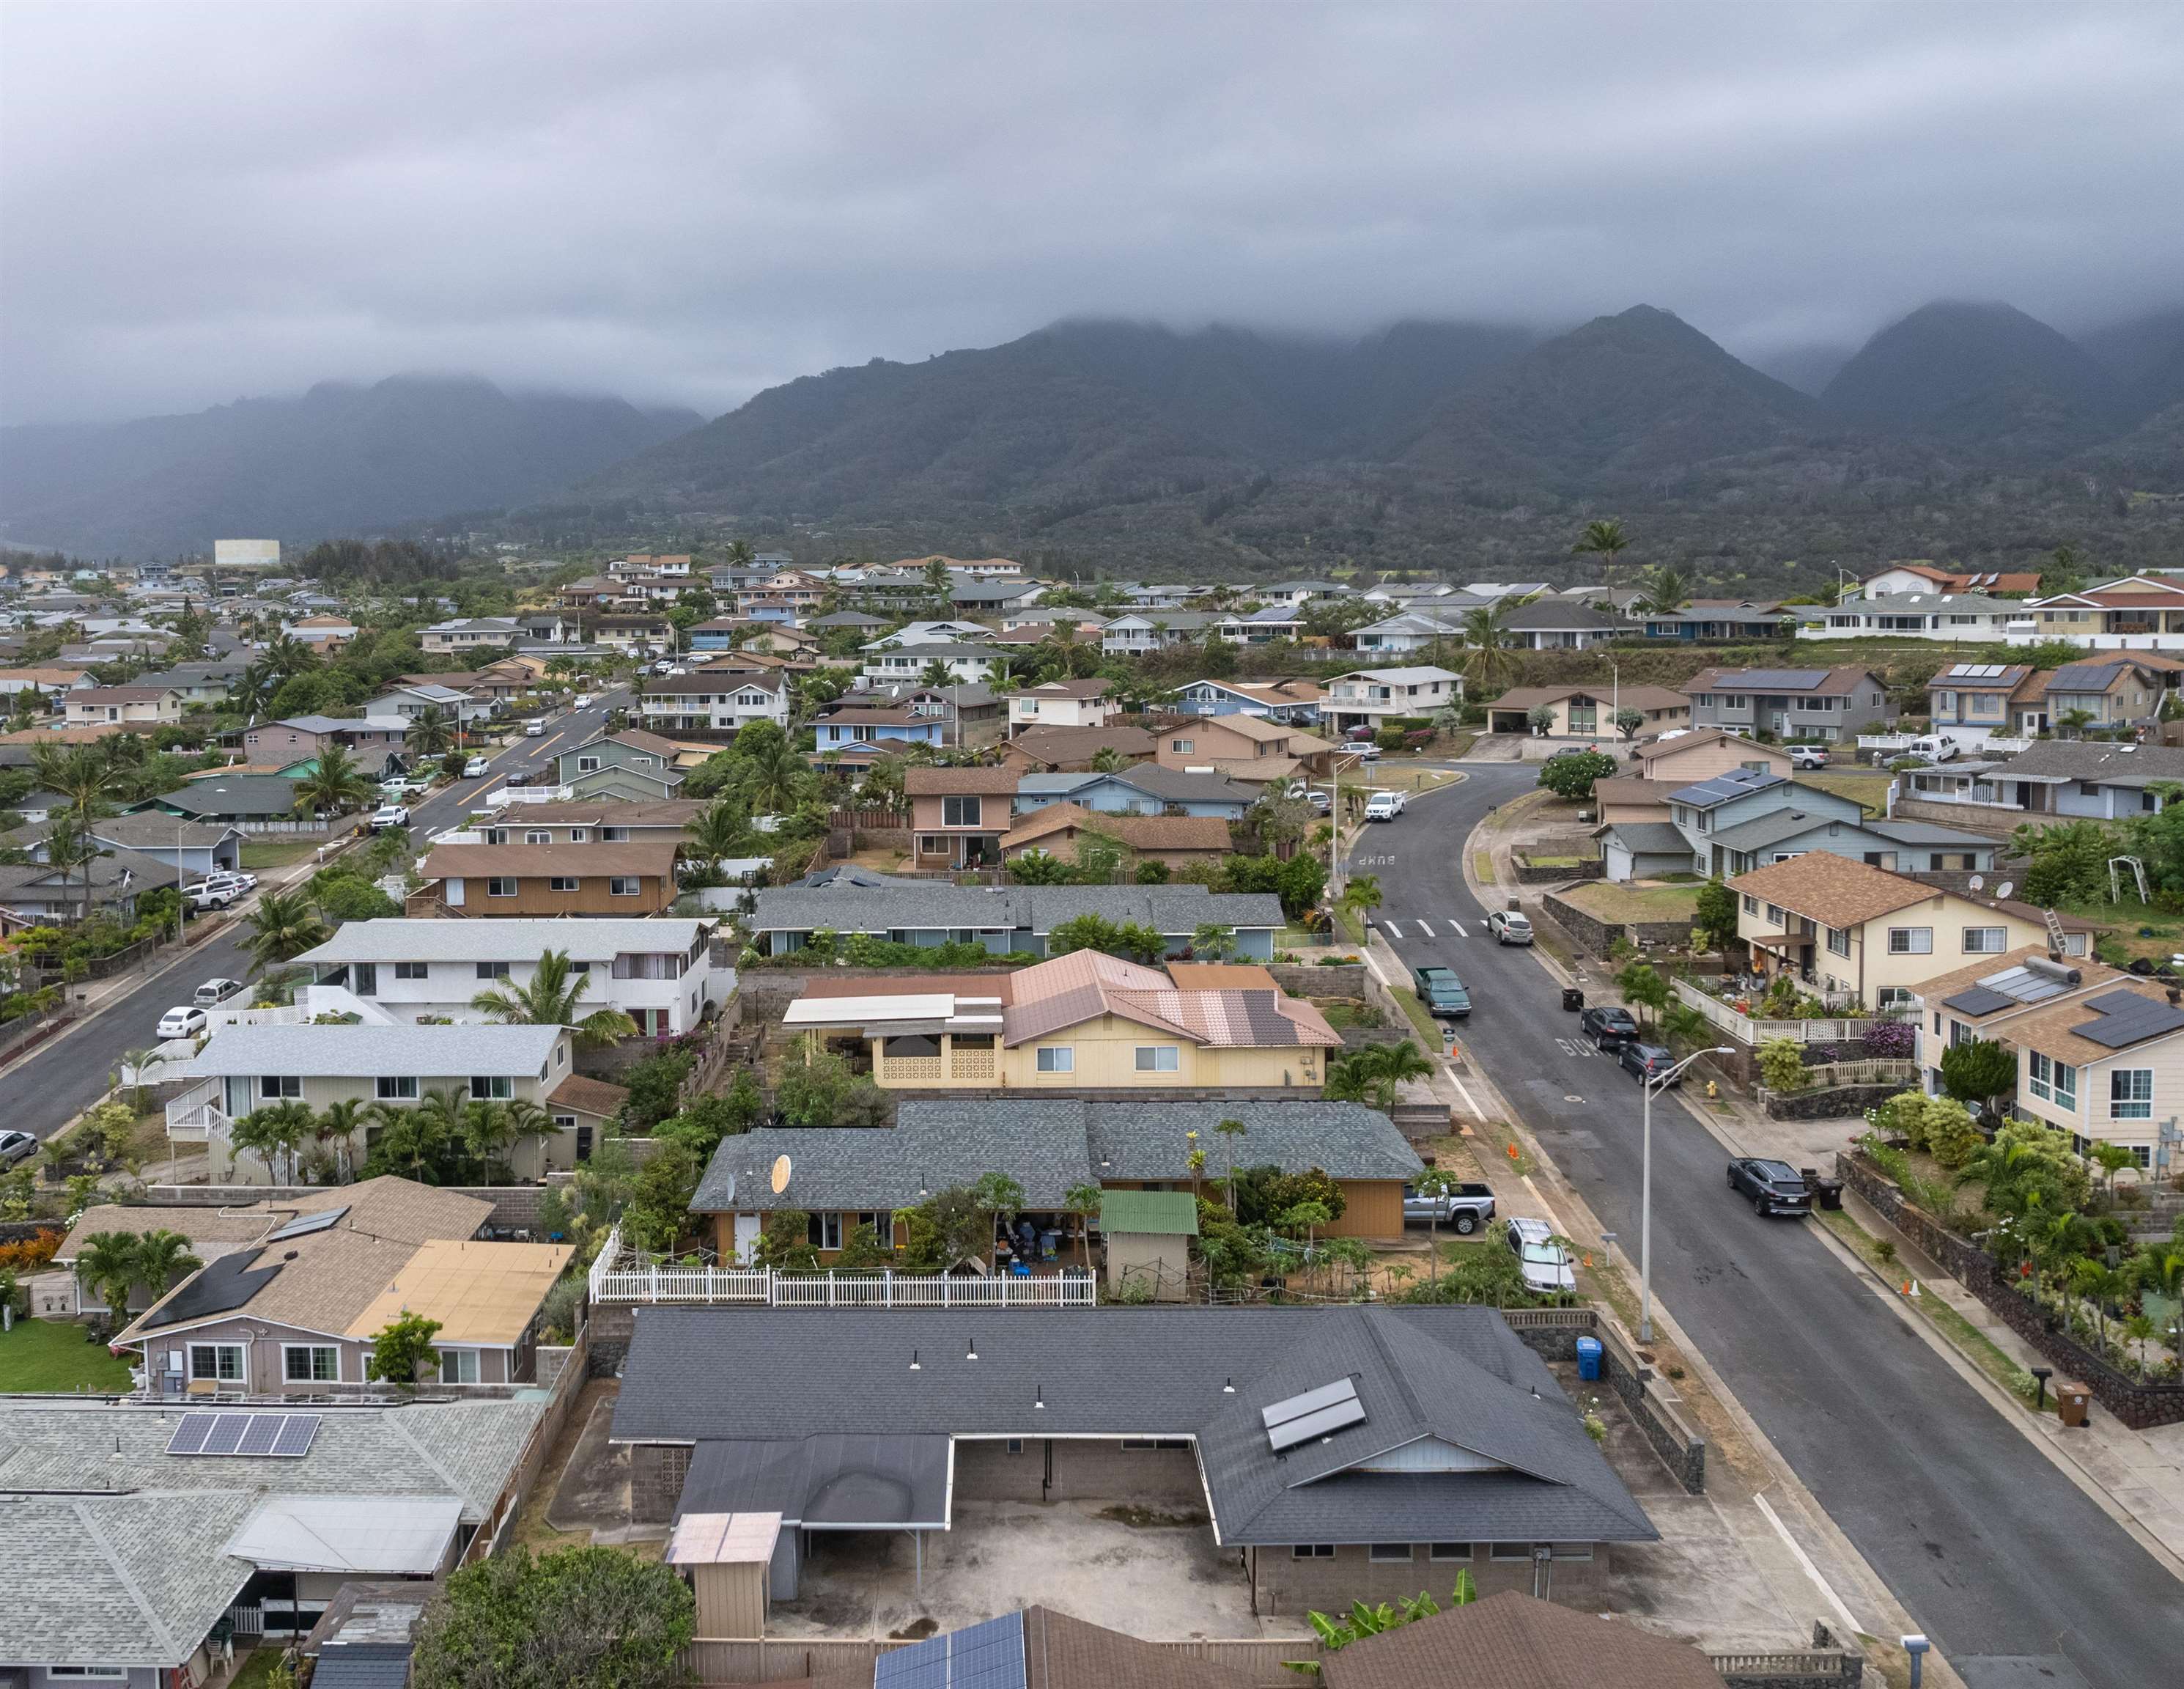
point(1867, 786)
point(278, 850)
point(1636, 902)
point(46, 1354)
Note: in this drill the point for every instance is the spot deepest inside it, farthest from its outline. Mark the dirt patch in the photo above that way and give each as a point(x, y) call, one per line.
point(1151, 1519)
point(916, 1631)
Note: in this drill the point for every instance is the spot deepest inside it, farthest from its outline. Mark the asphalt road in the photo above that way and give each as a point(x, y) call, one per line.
point(58, 1081)
point(2017, 1576)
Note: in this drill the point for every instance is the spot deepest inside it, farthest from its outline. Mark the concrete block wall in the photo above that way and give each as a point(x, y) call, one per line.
point(1651, 1401)
point(1347, 980)
point(985, 1471)
point(1285, 1585)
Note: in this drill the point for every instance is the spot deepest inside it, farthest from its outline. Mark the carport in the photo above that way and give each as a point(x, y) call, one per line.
point(824, 1483)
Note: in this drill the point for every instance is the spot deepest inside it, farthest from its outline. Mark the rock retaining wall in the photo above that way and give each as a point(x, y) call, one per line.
point(1652, 1401)
point(1596, 937)
point(1840, 1102)
point(1556, 874)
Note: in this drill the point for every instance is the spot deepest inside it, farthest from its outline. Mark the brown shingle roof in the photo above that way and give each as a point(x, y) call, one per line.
point(1137, 832)
point(609, 811)
point(209, 1231)
point(1669, 747)
point(1513, 1641)
point(1843, 678)
point(588, 1097)
point(957, 783)
point(1832, 889)
point(2054, 1033)
point(1077, 745)
point(1942, 987)
point(534, 862)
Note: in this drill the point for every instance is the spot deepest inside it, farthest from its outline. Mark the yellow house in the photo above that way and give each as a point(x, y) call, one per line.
point(1086, 1021)
point(1851, 930)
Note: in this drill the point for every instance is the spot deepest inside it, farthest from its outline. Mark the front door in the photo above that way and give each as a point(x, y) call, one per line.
point(746, 1237)
point(1781, 722)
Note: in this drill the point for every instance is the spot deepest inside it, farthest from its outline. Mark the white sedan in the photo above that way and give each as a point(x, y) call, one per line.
point(181, 1022)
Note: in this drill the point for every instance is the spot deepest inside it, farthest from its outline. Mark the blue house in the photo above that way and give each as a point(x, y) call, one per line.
point(1746, 819)
point(716, 635)
point(859, 725)
point(1294, 703)
point(1147, 789)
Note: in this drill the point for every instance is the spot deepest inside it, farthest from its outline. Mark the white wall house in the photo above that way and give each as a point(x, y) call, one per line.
point(1367, 697)
point(678, 703)
point(969, 664)
point(1968, 617)
point(658, 972)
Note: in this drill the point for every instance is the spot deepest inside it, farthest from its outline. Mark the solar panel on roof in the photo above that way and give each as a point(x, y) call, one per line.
point(279, 1436)
point(2028, 984)
point(309, 1223)
point(2131, 1019)
point(227, 1433)
point(1299, 1418)
point(987, 1656)
point(189, 1435)
point(297, 1432)
point(258, 1435)
point(1782, 680)
point(1978, 1001)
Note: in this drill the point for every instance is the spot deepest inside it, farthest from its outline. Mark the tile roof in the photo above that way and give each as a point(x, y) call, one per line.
point(1514, 1641)
point(1832, 889)
point(654, 860)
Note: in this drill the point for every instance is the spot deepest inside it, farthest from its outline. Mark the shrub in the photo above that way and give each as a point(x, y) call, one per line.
point(1891, 1041)
point(1781, 1065)
point(1950, 1132)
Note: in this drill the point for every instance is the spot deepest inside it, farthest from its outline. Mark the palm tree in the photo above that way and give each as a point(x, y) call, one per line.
point(1232, 1132)
point(161, 1258)
point(1109, 760)
point(273, 1135)
point(527, 1119)
point(282, 926)
point(772, 773)
point(937, 673)
point(1604, 539)
point(716, 832)
point(337, 1124)
point(1362, 893)
point(487, 1133)
point(1083, 1202)
point(1487, 663)
point(106, 1266)
point(429, 733)
point(551, 999)
point(1398, 1064)
point(335, 783)
point(414, 1140)
point(84, 775)
point(1661, 591)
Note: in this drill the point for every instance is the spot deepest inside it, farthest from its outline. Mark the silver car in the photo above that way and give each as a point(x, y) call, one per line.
point(1509, 927)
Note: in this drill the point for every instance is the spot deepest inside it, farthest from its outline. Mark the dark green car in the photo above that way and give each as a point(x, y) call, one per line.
point(1442, 992)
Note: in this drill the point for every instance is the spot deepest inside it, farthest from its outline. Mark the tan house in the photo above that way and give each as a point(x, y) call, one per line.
point(46, 682)
point(1243, 747)
point(591, 820)
point(1631, 800)
point(1689, 758)
point(958, 815)
point(1175, 840)
point(140, 706)
point(2105, 1068)
point(1062, 704)
point(1588, 711)
point(1851, 930)
point(1057, 751)
point(1083, 1021)
point(486, 880)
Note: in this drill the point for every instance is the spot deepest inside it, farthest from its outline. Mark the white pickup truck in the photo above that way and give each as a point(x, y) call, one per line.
point(1386, 806)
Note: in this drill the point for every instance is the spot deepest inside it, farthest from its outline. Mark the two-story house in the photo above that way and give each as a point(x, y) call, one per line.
point(139, 705)
point(658, 972)
point(1062, 704)
point(1983, 999)
point(1742, 820)
point(593, 821)
point(1262, 627)
point(1830, 704)
point(1295, 701)
point(1923, 577)
point(958, 815)
point(501, 880)
point(1683, 758)
point(409, 702)
point(633, 765)
point(1049, 750)
point(707, 701)
point(1862, 934)
point(1244, 747)
point(1143, 789)
point(1972, 703)
point(908, 664)
point(849, 725)
point(2138, 612)
point(1155, 630)
point(1367, 698)
point(296, 738)
point(2096, 697)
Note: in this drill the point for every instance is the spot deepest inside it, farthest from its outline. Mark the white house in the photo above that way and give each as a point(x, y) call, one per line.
point(680, 702)
point(933, 633)
point(658, 972)
point(1414, 630)
point(1062, 704)
point(409, 702)
point(1368, 697)
point(1154, 630)
point(1952, 616)
point(968, 664)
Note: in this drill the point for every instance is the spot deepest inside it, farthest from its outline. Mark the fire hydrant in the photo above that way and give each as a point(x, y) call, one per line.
point(1714, 1090)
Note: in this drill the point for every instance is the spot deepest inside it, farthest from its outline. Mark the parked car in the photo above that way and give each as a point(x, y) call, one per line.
point(474, 768)
point(1609, 1026)
point(1465, 1206)
point(1322, 802)
point(1442, 992)
point(536, 729)
point(1385, 805)
point(16, 1146)
point(1545, 1264)
point(1509, 927)
point(187, 1022)
point(234, 876)
point(1644, 1062)
point(388, 815)
point(1935, 748)
point(214, 991)
point(205, 895)
point(1774, 1187)
point(1808, 756)
point(1368, 751)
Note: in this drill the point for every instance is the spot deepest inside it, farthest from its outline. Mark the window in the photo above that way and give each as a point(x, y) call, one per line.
point(1838, 941)
point(614, 835)
point(2053, 1081)
point(310, 1363)
point(625, 885)
point(2130, 1094)
point(1182, 746)
point(491, 970)
point(1910, 941)
point(931, 844)
point(1390, 1554)
point(221, 1362)
point(1450, 1550)
point(459, 1366)
point(1016, 1445)
point(1775, 915)
point(1311, 1550)
point(1057, 1059)
point(412, 970)
point(492, 1087)
point(540, 835)
point(1157, 1058)
point(959, 812)
point(1751, 903)
point(1986, 940)
point(392, 1088)
point(882, 1221)
point(563, 882)
point(367, 979)
point(500, 885)
point(1570, 1551)
point(580, 835)
point(1511, 1551)
point(274, 1087)
point(587, 765)
point(824, 1229)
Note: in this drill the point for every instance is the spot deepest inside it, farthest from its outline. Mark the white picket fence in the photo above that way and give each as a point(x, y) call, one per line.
point(761, 1286)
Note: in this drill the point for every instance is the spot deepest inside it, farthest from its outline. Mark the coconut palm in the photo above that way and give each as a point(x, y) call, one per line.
point(414, 1140)
point(1362, 893)
point(1489, 665)
point(335, 783)
point(106, 1266)
point(527, 1119)
point(1232, 1132)
point(1661, 591)
point(334, 1130)
point(550, 998)
point(84, 775)
point(1110, 760)
point(161, 1258)
point(772, 773)
point(273, 1135)
point(429, 735)
point(716, 832)
point(282, 926)
point(487, 1133)
point(1603, 540)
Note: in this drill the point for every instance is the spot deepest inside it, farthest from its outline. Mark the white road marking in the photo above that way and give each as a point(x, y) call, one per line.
point(1391, 929)
point(1576, 1047)
point(1425, 929)
point(1460, 933)
point(1805, 1560)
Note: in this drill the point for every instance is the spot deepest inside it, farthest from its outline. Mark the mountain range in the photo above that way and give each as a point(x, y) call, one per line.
point(1127, 444)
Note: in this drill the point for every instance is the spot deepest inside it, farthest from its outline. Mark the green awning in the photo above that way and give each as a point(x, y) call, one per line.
point(1170, 1213)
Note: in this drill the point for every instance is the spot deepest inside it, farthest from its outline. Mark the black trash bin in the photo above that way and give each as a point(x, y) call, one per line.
point(1573, 998)
point(1827, 1193)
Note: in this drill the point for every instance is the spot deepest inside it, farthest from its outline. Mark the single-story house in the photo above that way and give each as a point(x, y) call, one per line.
point(1143, 789)
point(248, 801)
point(1588, 711)
point(1280, 700)
point(200, 846)
point(486, 881)
point(1050, 749)
point(1178, 840)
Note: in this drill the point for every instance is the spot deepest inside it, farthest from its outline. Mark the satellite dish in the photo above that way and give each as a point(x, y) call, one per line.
point(1977, 882)
point(780, 1175)
point(2005, 888)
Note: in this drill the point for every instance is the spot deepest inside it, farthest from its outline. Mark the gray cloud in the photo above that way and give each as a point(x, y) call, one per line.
point(685, 203)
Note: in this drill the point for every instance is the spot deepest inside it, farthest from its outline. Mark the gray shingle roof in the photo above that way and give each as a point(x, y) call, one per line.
point(923, 906)
point(1147, 1139)
point(1650, 837)
point(1763, 830)
point(266, 795)
point(1453, 1375)
point(2105, 764)
point(357, 1052)
point(401, 939)
point(935, 1147)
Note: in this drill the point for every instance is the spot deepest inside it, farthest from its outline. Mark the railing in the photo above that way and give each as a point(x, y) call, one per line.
point(767, 1660)
point(1823, 1075)
point(764, 1287)
point(1749, 1031)
point(529, 794)
point(195, 1116)
point(1822, 1665)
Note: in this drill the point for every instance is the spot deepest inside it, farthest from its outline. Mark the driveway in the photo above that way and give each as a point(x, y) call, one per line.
point(2017, 1576)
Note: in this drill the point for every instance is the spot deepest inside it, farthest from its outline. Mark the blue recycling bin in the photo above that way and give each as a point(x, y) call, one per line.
point(1588, 1359)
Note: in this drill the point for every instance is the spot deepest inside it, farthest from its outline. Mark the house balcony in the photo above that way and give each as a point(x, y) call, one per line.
point(196, 1117)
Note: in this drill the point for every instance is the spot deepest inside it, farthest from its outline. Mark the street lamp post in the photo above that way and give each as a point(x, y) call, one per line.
point(1645, 1193)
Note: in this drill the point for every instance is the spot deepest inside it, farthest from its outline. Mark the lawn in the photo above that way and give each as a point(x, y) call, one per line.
point(1635, 901)
point(45, 1354)
point(279, 850)
point(1867, 786)
point(1482, 866)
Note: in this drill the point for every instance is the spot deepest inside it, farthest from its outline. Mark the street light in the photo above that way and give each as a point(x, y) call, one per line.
point(1645, 1193)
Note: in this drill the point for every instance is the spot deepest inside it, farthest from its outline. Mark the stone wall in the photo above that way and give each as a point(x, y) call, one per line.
point(1309, 980)
point(2134, 1403)
point(1651, 1401)
point(1838, 1102)
point(612, 1325)
point(1556, 874)
point(1596, 937)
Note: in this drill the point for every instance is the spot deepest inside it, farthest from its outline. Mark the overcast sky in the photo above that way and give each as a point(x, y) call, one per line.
point(688, 202)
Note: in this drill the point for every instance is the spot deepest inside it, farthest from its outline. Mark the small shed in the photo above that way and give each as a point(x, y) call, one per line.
point(725, 1556)
point(1147, 1234)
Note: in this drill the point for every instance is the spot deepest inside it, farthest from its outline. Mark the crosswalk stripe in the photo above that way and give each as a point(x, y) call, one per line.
point(1460, 933)
point(1392, 930)
point(1424, 928)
